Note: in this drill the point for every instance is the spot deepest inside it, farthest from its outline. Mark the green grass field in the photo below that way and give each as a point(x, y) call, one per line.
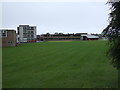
point(74, 64)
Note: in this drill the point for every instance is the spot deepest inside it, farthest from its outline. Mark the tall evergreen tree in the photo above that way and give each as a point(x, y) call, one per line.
point(112, 31)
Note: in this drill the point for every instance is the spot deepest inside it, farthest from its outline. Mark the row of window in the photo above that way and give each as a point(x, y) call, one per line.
point(26, 28)
point(28, 31)
point(28, 36)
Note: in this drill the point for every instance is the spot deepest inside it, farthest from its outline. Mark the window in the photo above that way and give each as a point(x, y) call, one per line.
point(24, 35)
point(10, 42)
point(24, 28)
point(28, 31)
point(32, 35)
point(31, 31)
point(31, 27)
point(4, 33)
point(24, 31)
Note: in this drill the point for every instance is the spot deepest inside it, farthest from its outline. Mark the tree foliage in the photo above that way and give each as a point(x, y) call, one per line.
point(112, 31)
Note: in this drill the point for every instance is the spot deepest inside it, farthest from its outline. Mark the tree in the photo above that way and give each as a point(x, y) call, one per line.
point(56, 33)
point(112, 31)
point(48, 34)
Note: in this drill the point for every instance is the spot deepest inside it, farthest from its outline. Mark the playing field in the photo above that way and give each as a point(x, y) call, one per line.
point(71, 64)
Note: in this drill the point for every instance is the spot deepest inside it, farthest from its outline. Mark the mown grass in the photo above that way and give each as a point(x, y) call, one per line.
point(77, 64)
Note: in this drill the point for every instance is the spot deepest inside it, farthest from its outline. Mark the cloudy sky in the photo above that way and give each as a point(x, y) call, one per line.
point(65, 17)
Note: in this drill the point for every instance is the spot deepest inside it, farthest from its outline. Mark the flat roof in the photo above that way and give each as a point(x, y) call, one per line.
point(26, 26)
point(23, 25)
point(7, 30)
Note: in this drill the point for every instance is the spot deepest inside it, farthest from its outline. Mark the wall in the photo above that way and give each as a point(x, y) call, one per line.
point(10, 40)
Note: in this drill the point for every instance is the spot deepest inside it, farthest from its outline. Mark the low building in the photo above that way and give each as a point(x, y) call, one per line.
point(40, 38)
point(26, 33)
point(89, 37)
point(8, 37)
point(61, 36)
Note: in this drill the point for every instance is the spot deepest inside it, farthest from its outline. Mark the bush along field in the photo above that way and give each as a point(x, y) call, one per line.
point(65, 64)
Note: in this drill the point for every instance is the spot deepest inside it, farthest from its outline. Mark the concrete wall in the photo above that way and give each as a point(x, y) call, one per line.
point(35, 34)
point(10, 40)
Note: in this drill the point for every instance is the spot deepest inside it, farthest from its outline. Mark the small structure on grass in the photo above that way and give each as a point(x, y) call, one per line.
point(89, 37)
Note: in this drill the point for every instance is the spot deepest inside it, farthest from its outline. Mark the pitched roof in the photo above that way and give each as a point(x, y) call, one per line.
point(90, 36)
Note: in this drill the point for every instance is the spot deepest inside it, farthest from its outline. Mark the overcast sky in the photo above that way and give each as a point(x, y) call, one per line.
point(65, 17)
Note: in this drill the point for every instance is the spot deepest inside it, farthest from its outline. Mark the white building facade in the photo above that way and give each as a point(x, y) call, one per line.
point(26, 33)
